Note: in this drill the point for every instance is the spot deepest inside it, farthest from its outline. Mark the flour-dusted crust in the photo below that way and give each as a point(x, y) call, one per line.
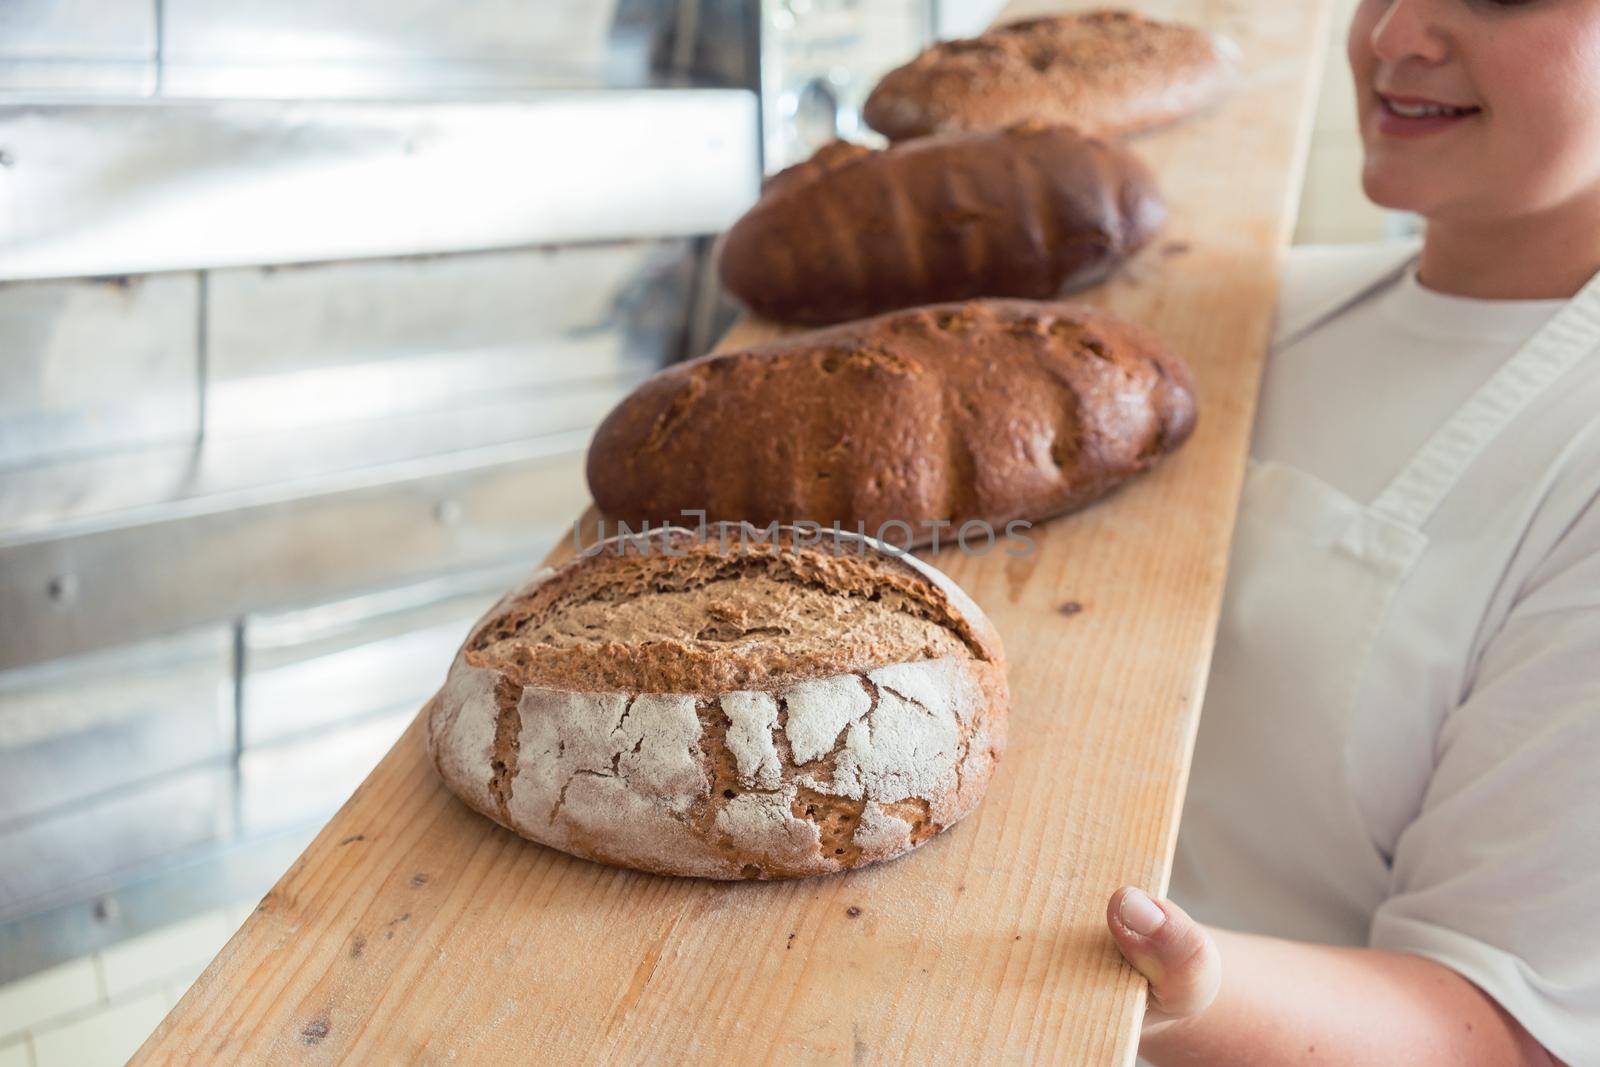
point(1107, 72)
point(838, 753)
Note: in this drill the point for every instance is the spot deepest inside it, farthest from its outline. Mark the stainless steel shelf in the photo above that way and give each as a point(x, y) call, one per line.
point(146, 783)
point(200, 557)
point(95, 189)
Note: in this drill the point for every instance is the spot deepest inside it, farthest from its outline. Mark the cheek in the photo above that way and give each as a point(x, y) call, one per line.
point(1544, 91)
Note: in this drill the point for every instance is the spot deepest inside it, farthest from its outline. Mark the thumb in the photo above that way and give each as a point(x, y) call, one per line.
point(1173, 951)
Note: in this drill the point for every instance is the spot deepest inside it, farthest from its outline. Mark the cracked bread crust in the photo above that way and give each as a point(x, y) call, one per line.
point(1108, 73)
point(784, 765)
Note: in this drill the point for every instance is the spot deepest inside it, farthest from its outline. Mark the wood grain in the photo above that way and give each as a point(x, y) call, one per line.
point(414, 931)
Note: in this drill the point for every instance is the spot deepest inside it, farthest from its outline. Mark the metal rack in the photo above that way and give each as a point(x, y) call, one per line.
point(309, 311)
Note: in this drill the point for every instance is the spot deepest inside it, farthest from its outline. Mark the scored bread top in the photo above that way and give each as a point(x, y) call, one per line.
point(724, 613)
point(702, 704)
point(1027, 211)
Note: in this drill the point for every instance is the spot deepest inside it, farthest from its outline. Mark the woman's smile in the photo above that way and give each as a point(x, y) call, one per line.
point(1456, 97)
point(1415, 116)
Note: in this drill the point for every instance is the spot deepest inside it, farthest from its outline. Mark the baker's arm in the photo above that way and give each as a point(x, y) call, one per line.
point(1489, 934)
point(1219, 997)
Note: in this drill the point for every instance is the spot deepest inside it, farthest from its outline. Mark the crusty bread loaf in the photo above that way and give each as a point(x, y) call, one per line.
point(726, 706)
point(1031, 212)
point(992, 410)
point(1106, 72)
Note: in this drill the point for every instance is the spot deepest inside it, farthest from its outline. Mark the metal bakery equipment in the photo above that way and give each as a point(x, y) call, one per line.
point(307, 310)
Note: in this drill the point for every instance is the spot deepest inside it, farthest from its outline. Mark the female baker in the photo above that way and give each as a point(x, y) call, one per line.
point(1390, 852)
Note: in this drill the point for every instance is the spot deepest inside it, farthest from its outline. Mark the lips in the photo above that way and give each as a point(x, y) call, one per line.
point(1414, 116)
point(1424, 111)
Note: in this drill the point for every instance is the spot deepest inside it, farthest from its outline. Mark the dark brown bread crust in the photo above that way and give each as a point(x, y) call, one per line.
point(993, 410)
point(1106, 72)
point(1030, 212)
point(819, 609)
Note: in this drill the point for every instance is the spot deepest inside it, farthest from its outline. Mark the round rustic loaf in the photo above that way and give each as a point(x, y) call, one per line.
point(746, 704)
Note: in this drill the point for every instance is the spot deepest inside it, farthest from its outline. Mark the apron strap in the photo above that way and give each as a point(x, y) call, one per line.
point(1560, 344)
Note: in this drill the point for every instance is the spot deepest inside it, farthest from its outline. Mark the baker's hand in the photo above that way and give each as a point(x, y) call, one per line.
point(1173, 951)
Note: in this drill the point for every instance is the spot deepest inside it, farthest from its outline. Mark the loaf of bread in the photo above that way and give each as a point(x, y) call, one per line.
point(1030, 211)
point(1106, 72)
point(726, 707)
point(992, 410)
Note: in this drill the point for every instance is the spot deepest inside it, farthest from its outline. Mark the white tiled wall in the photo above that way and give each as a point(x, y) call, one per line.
point(105, 1039)
point(48, 995)
point(97, 1010)
point(145, 961)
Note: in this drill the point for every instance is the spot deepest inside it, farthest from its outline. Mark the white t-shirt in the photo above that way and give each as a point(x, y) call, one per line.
point(1477, 772)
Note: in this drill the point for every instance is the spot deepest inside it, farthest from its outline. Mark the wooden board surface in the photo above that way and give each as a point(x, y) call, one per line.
point(412, 930)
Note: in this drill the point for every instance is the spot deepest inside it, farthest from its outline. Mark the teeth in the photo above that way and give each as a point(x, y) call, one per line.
point(1424, 111)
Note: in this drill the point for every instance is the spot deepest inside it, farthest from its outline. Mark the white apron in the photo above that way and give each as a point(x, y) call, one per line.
point(1272, 840)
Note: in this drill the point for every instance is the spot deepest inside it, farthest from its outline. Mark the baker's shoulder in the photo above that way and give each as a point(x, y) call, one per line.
point(1318, 278)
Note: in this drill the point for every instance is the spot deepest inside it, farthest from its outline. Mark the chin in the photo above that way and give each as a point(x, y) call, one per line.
point(1392, 186)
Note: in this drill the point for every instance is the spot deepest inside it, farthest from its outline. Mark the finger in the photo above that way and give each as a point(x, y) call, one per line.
point(1173, 951)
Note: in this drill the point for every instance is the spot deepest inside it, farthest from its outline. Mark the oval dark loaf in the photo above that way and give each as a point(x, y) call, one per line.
point(993, 410)
point(1030, 212)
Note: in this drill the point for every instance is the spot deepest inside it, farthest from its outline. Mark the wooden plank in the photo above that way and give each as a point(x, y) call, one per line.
point(413, 930)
